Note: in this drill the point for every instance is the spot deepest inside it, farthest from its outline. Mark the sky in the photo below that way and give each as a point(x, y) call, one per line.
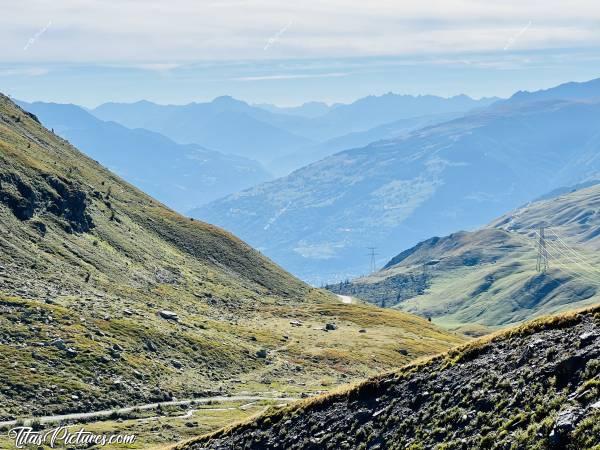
point(92, 51)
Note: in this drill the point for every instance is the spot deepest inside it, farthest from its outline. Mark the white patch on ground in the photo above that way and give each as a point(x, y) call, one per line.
point(513, 219)
point(277, 215)
point(345, 299)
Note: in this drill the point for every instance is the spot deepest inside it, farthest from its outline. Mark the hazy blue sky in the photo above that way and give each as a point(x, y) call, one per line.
point(91, 51)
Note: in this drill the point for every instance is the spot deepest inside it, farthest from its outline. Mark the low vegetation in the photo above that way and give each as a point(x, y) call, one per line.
point(534, 386)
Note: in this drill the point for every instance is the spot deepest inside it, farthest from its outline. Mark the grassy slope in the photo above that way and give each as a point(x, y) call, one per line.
point(550, 361)
point(487, 278)
point(87, 261)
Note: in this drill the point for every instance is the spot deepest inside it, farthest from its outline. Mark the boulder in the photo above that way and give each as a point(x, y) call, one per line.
point(565, 423)
point(151, 346)
point(169, 315)
point(177, 364)
point(587, 338)
point(59, 344)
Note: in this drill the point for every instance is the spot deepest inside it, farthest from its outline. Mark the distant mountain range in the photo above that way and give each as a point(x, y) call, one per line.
point(217, 141)
point(319, 220)
point(181, 176)
point(396, 129)
point(225, 124)
point(577, 91)
point(284, 138)
point(372, 111)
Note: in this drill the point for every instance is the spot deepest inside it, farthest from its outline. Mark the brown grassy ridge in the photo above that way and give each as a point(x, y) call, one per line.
point(457, 355)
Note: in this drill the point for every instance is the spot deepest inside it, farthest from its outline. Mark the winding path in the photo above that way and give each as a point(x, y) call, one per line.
point(128, 409)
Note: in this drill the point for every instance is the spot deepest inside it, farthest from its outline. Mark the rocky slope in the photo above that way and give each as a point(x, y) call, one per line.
point(488, 278)
point(109, 298)
point(534, 387)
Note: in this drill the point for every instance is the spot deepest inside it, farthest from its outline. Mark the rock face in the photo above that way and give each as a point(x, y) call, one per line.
point(46, 195)
point(534, 387)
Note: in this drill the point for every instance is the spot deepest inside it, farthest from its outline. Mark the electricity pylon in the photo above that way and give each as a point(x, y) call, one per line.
point(542, 257)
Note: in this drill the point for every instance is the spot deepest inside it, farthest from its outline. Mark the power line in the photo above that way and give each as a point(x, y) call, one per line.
point(555, 248)
point(557, 254)
point(578, 255)
point(556, 260)
point(542, 257)
point(581, 275)
point(559, 250)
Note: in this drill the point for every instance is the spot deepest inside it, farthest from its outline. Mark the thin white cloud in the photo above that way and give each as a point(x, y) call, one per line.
point(150, 66)
point(136, 31)
point(291, 76)
point(25, 71)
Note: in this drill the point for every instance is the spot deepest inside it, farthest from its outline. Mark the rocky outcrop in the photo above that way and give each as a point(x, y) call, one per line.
point(46, 195)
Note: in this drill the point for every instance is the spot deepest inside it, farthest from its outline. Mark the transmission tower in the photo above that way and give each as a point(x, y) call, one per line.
point(542, 257)
point(372, 254)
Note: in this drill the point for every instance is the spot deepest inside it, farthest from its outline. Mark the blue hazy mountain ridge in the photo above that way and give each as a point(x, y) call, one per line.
point(318, 221)
point(372, 111)
point(225, 124)
point(181, 176)
point(273, 137)
point(357, 139)
point(577, 91)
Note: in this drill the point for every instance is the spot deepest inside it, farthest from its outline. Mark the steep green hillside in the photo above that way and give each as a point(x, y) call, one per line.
point(488, 278)
point(108, 298)
point(534, 387)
